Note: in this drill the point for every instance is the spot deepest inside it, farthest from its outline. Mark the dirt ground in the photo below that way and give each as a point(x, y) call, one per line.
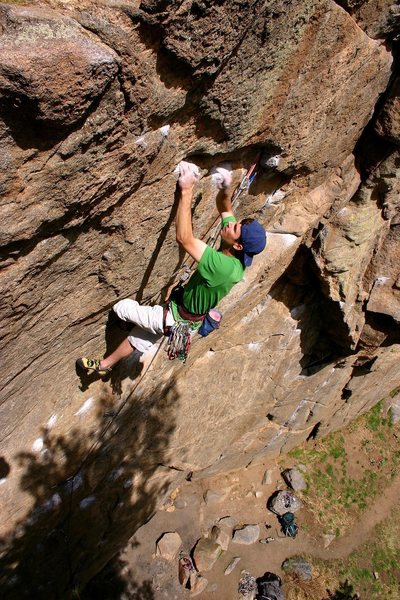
point(197, 518)
point(343, 458)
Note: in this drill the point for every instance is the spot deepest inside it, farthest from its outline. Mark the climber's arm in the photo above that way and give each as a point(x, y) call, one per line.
point(183, 221)
point(224, 203)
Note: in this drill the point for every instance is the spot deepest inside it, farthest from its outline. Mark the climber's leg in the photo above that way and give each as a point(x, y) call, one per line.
point(147, 317)
point(124, 349)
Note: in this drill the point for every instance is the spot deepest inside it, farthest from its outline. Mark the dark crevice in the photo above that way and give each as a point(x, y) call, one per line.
point(4, 468)
point(379, 330)
point(323, 335)
point(363, 366)
point(346, 394)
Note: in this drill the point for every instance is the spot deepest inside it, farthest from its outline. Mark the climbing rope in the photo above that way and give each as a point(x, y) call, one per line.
point(179, 341)
point(70, 481)
point(178, 346)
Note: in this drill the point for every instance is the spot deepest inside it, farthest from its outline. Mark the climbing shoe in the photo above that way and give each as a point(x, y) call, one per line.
point(92, 365)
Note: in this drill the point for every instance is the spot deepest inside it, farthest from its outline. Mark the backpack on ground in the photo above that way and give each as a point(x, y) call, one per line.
point(269, 587)
point(288, 524)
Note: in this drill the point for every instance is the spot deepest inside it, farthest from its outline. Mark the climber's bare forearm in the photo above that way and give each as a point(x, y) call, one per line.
point(224, 203)
point(184, 230)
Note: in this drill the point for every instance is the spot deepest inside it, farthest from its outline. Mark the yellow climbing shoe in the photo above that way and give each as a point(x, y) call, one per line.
point(92, 365)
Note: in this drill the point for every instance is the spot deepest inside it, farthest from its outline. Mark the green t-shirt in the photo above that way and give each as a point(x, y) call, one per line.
point(213, 279)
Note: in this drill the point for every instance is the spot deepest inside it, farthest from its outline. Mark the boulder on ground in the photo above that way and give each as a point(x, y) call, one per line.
point(267, 478)
point(282, 502)
point(227, 523)
point(328, 539)
point(295, 479)
point(300, 566)
point(247, 535)
point(168, 545)
point(221, 536)
point(232, 565)
point(206, 554)
point(199, 586)
point(211, 496)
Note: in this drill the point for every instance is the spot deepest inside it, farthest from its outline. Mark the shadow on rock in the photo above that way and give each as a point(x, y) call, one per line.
point(91, 490)
point(130, 367)
point(323, 334)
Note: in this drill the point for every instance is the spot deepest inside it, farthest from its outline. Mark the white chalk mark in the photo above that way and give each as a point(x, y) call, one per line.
point(51, 422)
point(85, 408)
point(165, 130)
point(254, 346)
point(141, 142)
point(274, 198)
point(37, 445)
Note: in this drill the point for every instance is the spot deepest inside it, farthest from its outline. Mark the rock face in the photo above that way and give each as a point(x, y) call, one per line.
point(98, 103)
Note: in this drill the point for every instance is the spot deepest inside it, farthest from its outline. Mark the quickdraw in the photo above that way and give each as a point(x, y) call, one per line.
point(179, 340)
point(247, 180)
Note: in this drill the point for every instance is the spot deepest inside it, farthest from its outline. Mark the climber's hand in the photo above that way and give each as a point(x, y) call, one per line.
point(187, 178)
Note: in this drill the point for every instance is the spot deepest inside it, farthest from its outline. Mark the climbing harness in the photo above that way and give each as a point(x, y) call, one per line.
point(179, 334)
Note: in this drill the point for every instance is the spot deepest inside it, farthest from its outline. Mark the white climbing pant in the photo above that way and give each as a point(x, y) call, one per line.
point(148, 323)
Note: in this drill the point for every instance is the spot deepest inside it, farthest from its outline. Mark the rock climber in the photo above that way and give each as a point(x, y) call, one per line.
point(217, 272)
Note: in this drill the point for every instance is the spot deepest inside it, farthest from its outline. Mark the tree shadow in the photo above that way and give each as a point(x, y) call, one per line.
point(91, 490)
point(115, 581)
point(345, 591)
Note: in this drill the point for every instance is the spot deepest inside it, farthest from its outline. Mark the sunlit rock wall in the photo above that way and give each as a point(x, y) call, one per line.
point(98, 103)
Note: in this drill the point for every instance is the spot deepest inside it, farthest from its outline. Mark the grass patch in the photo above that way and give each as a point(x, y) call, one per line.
point(347, 469)
point(374, 418)
point(373, 571)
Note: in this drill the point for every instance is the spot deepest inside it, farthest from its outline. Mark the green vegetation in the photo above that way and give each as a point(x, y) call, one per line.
point(345, 474)
point(346, 470)
point(373, 570)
